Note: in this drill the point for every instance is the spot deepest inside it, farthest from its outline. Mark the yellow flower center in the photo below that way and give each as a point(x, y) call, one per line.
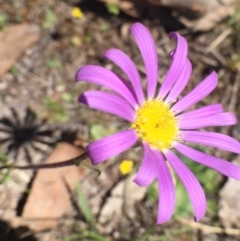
point(155, 124)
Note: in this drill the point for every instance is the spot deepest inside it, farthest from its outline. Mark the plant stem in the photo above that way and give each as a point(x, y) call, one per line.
point(74, 161)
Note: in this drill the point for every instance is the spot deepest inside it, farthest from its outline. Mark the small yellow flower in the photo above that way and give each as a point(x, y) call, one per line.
point(77, 13)
point(126, 167)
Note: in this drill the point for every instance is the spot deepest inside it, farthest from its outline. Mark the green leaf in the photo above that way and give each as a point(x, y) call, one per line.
point(92, 236)
point(3, 22)
point(6, 176)
point(85, 235)
point(3, 157)
point(212, 207)
point(56, 111)
point(53, 64)
point(14, 71)
point(98, 131)
point(112, 8)
point(67, 97)
point(87, 38)
point(183, 205)
point(50, 19)
point(74, 237)
point(152, 192)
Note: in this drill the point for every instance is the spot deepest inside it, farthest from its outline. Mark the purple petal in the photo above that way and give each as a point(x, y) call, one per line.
point(203, 111)
point(148, 169)
point(177, 66)
point(212, 139)
point(197, 94)
point(101, 150)
point(166, 202)
point(129, 68)
point(180, 83)
point(148, 50)
point(222, 166)
point(110, 103)
point(105, 77)
point(221, 119)
point(190, 182)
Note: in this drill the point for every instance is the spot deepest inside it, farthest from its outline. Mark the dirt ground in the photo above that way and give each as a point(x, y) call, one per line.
point(38, 94)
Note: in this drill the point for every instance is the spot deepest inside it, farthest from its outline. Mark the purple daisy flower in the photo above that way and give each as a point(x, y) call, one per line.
point(159, 120)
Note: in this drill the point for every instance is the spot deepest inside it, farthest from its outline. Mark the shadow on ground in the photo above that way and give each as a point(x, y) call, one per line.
point(7, 233)
point(157, 14)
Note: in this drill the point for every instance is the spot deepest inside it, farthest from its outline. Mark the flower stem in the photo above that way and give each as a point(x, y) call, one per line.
point(74, 161)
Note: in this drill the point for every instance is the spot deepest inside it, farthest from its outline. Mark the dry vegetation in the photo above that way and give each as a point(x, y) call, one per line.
point(41, 78)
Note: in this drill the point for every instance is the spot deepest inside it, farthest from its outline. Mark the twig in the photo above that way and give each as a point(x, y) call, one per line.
point(207, 228)
point(74, 161)
point(25, 71)
point(219, 39)
point(234, 95)
point(219, 57)
point(202, 51)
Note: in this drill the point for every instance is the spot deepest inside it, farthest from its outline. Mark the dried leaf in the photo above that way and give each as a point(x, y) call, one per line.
point(49, 197)
point(14, 41)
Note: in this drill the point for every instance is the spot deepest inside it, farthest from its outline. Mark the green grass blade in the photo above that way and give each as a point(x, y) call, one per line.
point(5, 176)
point(73, 237)
point(83, 205)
